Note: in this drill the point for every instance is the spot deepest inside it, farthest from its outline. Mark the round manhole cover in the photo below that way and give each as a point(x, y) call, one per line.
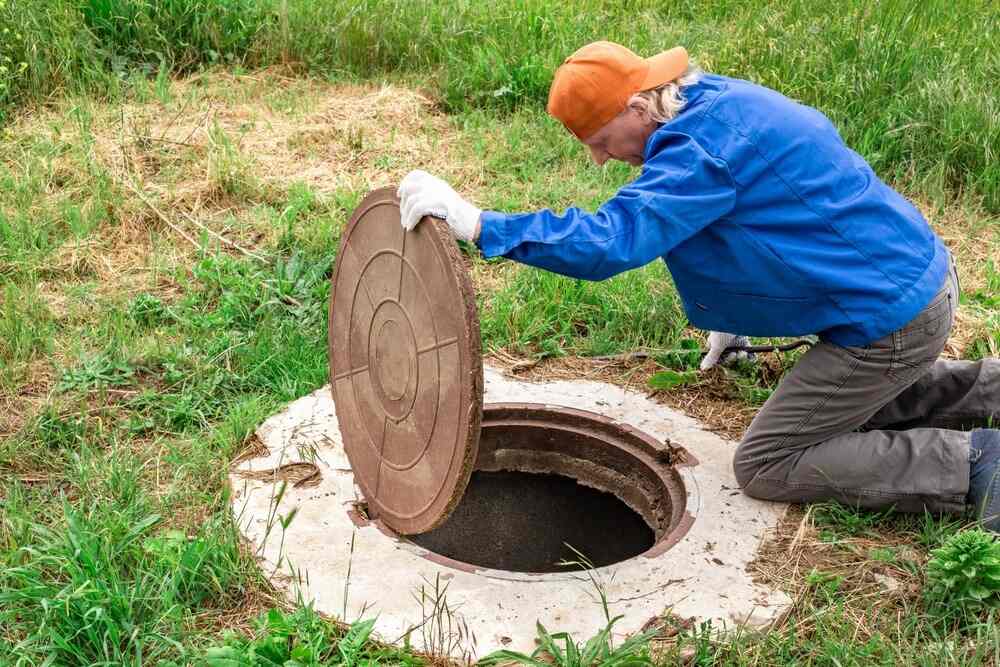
point(405, 364)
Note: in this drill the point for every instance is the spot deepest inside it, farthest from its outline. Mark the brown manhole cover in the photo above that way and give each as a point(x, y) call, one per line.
point(405, 364)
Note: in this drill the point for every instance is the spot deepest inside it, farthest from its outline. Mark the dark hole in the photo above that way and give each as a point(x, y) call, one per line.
point(523, 521)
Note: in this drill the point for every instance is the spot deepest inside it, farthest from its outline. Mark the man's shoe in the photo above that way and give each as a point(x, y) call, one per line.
point(984, 477)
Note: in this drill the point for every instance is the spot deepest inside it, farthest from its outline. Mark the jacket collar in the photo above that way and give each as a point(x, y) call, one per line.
point(694, 96)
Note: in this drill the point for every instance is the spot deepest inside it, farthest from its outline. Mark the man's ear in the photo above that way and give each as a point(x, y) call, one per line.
point(639, 106)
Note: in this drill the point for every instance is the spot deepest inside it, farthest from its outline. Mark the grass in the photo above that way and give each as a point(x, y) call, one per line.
point(924, 113)
point(550, 316)
point(165, 255)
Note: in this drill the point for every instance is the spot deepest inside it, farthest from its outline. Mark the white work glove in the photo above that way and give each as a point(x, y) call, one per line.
point(717, 343)
point(421, 194)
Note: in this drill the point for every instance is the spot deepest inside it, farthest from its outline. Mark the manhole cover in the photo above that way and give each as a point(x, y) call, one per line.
point(405, 364)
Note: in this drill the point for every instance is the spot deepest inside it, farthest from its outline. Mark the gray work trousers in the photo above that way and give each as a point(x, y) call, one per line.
point(875, 426)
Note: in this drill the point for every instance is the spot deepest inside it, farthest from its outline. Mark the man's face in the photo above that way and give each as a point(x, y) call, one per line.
point(623, 138)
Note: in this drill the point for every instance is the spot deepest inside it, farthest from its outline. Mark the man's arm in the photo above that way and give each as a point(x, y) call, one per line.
point(681, 190)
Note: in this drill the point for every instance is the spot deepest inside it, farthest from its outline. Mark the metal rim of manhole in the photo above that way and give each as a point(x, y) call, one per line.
point(405, 364)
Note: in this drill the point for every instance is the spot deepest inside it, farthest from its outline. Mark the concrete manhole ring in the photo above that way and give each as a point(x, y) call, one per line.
point(697, 566)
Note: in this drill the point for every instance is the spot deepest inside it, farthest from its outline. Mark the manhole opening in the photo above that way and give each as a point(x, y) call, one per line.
point(548, 477)
point(532, 522)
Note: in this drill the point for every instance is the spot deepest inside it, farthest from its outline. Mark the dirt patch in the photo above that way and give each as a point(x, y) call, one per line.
point(115, 264)
point(17, 408)
point(876, 575)
point(300, 475)
point(711, 399)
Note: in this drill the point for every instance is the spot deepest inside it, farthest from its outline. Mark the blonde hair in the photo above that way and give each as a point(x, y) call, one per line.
point(664, 102)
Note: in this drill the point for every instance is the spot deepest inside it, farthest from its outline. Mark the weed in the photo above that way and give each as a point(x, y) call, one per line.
point(26, 328)
point(301, 637)
point(687, 356)
point(148, 310)
point(825, 583)
point(58, 432)
point(666, 380)
point(932, 530)
point(96, 372)
point(96, 593)
point(963, 575)
point(229, 169)
point(989, 297)
point(443, 629)
point(598, 651)
point(198, 566)
point(837, 520)
point(750, 392)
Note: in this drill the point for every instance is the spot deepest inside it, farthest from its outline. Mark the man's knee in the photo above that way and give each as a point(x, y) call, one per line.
point(748, 470)
point(744, 467)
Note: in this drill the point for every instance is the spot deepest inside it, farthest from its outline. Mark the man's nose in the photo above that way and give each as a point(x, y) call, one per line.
point(598, 156)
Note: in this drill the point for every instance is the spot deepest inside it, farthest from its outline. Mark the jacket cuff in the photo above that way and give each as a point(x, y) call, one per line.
point(492, 240)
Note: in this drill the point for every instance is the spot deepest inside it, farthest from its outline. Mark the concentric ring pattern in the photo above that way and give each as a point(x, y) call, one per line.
point(405, 364)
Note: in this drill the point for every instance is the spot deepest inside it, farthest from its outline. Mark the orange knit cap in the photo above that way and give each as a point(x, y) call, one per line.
point(594, 84)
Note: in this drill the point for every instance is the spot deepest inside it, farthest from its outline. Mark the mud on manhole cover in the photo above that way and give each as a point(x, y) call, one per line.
point(405, 364)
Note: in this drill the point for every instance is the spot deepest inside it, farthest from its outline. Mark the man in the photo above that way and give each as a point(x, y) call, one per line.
point(771, 226)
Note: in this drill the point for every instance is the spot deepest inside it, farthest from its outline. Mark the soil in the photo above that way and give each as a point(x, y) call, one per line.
point(712, 399)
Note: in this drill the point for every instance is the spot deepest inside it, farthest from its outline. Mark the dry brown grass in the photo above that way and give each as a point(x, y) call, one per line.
point(16, 408)
point(797, 547)
point(973, 246)
point(219, 128)
point(337, 137)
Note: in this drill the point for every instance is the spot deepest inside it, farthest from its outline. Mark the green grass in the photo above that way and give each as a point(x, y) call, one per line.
point(547, 315)
point(132, 381)
point(26, 331)
point(100, 576)
point(304, 638)
point(115, 537)
point(909, 85)
point(108, 587)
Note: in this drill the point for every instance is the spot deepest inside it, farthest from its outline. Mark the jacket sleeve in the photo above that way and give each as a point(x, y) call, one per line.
point(681, 190)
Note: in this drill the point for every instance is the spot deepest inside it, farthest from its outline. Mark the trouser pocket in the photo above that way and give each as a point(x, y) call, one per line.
point(915, 347)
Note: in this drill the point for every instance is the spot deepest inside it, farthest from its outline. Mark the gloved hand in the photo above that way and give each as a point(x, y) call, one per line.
point(422, 194)
point(717, 343)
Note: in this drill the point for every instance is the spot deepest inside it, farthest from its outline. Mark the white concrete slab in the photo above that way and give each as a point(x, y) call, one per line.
point(352, 571)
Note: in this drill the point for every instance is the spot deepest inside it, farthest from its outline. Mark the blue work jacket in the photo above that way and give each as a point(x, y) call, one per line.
point(770, 225)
